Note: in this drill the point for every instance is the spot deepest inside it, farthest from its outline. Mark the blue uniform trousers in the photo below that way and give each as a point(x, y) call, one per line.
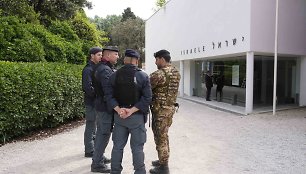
point(104, 125)
point(90, 128)
point(135, 126)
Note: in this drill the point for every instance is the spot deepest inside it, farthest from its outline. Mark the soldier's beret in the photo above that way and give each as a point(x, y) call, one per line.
point(95, 50)
point(131, 53)
point(162, 53)
point(111, 48)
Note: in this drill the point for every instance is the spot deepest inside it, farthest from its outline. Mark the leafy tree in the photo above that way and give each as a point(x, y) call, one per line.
point(64, 29)
point(47, 9)
point(19, 8)
point(17, 43)
point(126, 31)
point(106, 25)
point(130, 34)
point(54, 45)
point(87, 32)
point(58, 9)
point(160, 3)
point(74, 53)
point(127, 14)
point(65, 36)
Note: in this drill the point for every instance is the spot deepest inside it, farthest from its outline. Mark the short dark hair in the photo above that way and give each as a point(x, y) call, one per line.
point(163, 53)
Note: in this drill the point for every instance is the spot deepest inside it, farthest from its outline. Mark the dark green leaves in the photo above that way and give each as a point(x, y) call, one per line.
point(36, 95)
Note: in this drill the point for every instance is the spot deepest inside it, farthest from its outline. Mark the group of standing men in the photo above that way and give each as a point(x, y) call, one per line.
point(209, 84)
point(117, 103)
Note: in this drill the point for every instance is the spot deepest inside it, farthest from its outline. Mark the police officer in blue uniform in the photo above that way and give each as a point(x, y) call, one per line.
point(94, 58)
point(130, 95)
point(101, 75)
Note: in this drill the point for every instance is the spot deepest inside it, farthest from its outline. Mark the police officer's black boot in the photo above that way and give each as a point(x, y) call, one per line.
point(161, 169)
point(100, 168)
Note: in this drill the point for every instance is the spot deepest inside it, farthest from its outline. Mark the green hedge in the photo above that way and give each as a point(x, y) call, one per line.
point(37, 95)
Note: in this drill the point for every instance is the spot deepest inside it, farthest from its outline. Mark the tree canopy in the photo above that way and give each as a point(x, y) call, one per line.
point(47, 30)
point(59, 30)
point(130, 34)
point(106, 25)
point(58, 9)
point(160, 3)
point(128, 14)
point(124, 31)
point(46, 9)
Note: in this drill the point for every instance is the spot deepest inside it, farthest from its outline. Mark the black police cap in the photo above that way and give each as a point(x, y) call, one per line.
point(95, 50)
point(111, 48)
point(162, 53)
point(131, 53)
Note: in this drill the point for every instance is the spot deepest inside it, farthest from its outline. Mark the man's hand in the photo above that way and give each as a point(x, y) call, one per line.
point(128, 112)
point(120, 111)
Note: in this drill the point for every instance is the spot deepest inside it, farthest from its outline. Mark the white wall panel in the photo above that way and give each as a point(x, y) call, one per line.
point(303, 82)
point(291, 26)
point(221, 27)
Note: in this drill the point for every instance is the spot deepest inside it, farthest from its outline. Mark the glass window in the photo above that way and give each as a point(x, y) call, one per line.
point(231, 71)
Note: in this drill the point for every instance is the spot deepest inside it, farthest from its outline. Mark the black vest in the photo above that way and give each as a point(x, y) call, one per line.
point(97, 86)
point(126, 90)
point(98, 68)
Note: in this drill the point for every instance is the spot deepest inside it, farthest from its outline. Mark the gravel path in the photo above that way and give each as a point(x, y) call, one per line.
point(202, 140)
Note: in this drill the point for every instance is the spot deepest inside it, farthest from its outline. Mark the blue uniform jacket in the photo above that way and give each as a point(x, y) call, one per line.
point(102, 74)
point(89, 91)
point(143, 83)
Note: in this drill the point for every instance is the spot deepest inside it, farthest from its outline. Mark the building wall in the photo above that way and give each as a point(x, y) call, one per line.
point(291, 26)
point(187, 75)
point(222, 27)
point(188, 26)
point(205, 29)
point(302, 100)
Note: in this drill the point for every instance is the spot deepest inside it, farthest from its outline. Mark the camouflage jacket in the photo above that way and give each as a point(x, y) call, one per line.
point(165, 84)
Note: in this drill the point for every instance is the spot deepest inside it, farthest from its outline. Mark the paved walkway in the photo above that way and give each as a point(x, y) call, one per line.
point(203, 141)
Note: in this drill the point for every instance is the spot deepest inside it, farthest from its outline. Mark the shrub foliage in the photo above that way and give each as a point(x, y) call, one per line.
point(27, 40)
point(17, 43)
point(37, 95)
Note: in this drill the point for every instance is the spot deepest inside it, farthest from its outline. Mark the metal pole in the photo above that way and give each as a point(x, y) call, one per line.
point(275, 58)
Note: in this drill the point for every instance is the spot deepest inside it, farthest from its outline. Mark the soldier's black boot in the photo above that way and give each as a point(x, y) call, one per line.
point(161, 169)
point(155, 163)
point(106, 160)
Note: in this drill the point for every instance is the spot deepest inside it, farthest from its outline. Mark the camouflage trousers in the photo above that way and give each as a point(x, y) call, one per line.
point(161, 121)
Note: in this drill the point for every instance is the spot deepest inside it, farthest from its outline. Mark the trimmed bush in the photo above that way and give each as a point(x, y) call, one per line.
point(37, 95)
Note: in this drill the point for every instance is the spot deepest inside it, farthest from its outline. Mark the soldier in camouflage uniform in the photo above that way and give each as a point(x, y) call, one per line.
point(165, 83)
